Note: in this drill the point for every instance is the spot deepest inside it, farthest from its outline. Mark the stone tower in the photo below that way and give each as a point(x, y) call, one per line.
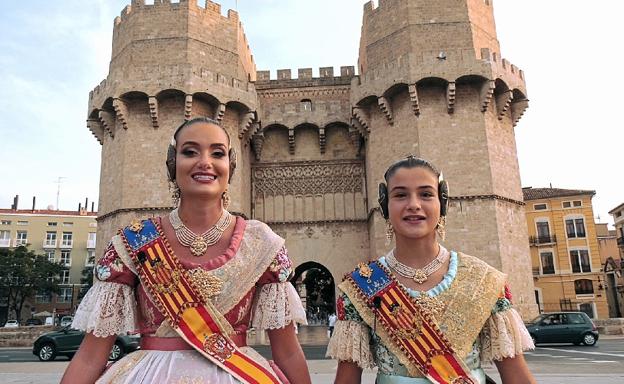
point(170, 62)
point(433, 80)
point(313, 149)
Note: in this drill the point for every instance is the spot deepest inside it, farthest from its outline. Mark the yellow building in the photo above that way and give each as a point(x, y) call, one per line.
point(67, 237)
point(567, 268)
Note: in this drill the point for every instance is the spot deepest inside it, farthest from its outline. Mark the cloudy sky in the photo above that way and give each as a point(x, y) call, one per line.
point(52, 53)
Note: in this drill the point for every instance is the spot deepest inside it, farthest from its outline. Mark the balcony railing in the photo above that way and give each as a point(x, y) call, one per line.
point(49, 243)
point(67, 243)
point(539, 240)
point(4, 243)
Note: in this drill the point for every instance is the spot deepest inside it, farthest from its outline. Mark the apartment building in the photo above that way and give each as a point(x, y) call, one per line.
point(66, 237)
point(565, 255)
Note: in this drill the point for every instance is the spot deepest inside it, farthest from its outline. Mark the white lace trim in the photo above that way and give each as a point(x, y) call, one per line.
point(351, 342)
point(107, 309)
point(276, 306)
point(504, 336)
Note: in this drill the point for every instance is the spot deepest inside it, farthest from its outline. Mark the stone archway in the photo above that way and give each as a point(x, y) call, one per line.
point(317, 290)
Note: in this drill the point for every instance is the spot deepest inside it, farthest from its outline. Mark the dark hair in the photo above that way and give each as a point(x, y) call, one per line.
point(171, 150)
point(412, 162)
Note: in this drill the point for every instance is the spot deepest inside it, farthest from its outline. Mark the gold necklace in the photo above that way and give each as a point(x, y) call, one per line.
point(198, 244)
point(419, 275)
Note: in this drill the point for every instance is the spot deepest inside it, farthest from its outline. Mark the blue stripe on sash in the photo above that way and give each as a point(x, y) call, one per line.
point(372, 285)
point(137, 239)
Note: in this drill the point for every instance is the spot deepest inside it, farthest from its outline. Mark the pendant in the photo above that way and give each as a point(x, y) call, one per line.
point(199, 246)
point(419, 276)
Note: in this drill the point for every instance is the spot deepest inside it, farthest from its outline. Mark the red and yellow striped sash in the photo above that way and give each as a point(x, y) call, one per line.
point(407, 326)
point(181, 303)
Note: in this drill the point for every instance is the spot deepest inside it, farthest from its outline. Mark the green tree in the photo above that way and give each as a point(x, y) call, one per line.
point(24, 274)
point(86, 280)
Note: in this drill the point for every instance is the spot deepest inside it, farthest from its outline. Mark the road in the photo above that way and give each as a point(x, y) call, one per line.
point(601, 364)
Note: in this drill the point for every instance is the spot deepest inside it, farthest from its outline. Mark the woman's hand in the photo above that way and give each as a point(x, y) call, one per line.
point(90, 360)
point(288, 355)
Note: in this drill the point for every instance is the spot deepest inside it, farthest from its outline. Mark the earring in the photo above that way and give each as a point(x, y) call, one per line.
point(175, 193)
point(389, 232)
point(226, 199)
point(441, 227)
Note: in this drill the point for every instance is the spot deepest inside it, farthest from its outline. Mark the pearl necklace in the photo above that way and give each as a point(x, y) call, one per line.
point(419, 275)
point(198, 244)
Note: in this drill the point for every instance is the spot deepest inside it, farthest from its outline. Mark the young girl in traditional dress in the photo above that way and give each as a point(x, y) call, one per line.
point(192, 282)
point(424, 314)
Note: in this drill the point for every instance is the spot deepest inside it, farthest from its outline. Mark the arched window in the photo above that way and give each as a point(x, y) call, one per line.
point(306, 105)
point(583, 287)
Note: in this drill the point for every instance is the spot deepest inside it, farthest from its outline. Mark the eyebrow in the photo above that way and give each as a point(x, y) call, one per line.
point(213, 145)
point(400, 187)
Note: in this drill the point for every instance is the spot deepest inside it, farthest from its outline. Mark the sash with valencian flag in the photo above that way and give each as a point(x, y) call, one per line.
point(180, 302)
point(403, 325)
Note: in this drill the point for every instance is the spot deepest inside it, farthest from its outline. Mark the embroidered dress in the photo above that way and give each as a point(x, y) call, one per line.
point(453, 303)
point(247, 287)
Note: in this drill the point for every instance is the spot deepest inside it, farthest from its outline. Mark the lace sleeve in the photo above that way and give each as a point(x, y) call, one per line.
point(107, 309)
point(277, 305)
point(351, 342)
point(504, 334)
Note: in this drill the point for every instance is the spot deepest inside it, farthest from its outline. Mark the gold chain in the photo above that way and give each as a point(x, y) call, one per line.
point(419, 275)
point(198, 244)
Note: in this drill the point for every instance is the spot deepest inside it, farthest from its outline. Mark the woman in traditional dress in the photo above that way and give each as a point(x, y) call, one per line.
point(423, 314)
point(191, 283)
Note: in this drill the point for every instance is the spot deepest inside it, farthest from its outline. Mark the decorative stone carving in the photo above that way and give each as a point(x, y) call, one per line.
point(386, 109)
point(153, 107)
point(450, 97)
point(257, 141)
point(108, 122)
point(487, 91)
point(517, 110)
point(308, 178)
point(121, 111)
point(220, 112)
point(503, 101)
point(413, 92)
point(188, 107)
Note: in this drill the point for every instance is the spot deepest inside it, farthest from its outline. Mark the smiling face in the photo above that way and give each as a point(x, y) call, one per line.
point(413, 204)
point(202, 162)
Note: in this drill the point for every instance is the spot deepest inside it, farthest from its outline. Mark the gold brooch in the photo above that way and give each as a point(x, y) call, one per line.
point(365, 270)
point(207, 284)
point(136, 225)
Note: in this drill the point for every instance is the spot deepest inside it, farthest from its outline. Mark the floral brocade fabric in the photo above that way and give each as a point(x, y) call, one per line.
point(271, 295)
point(253, 290)
point(503, 335)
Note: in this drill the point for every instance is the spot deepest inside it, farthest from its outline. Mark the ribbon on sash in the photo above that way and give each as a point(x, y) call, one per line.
point(175, 295)
point(406, 327)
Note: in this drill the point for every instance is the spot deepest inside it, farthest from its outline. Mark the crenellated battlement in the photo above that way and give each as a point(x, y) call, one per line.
point(305, 74)
point(209, 9)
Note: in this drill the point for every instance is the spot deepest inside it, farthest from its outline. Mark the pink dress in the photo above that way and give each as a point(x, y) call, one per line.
point(117, 303)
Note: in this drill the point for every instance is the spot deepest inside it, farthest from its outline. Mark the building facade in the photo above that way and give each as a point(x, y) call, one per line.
point(614, 265)
point(65, 237)
point(611, 268)
point(565, 253)
point(431, 82)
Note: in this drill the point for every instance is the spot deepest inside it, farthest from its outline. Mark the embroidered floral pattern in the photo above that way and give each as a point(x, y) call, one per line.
point(110, 262)
point(350, 313)
point(340, 310)
point(281, 265)
point(504, 301)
